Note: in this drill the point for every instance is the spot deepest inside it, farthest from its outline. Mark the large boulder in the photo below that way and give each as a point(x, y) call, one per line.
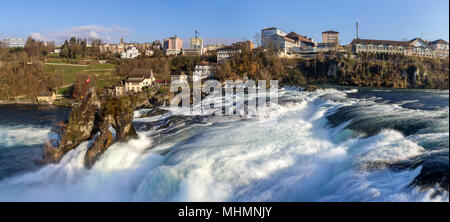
point(79, 128)
point(100, 145)
point(120, 112)
point(122, 124)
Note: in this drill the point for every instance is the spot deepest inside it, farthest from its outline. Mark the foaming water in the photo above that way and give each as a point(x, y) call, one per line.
point(310, 146)
point(20, 135)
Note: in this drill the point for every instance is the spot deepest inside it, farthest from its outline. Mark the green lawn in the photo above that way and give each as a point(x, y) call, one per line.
point(67, 73)
point(103, 66)
point(104, 73)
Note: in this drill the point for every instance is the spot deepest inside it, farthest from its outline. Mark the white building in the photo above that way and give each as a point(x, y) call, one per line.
point(179, 77)
point(418, 42)
point(192, 52)
point(149, 52)
point(13, 43)
point(283, 42)
point(227, 52)
point(213, 47)
point(440, 48)
point(414, 47)
point(130, 53)
point(135, 82)
point(268, 33)
point(439, 44)
point(56, 51)
point(204, 70)
point(172, 52)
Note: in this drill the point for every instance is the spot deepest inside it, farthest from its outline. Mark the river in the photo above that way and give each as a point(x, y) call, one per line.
point(328, 145)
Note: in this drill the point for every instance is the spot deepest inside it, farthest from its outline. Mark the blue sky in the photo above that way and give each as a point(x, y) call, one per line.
point(223, 21)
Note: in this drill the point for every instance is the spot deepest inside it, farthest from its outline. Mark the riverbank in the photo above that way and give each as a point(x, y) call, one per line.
point(63, 103)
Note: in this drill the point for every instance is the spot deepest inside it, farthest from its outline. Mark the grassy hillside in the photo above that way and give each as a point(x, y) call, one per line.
point(103, 73)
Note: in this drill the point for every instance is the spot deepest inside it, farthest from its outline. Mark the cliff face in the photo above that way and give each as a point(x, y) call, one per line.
point(394, 72)
point(95, 115)
point(371, 70)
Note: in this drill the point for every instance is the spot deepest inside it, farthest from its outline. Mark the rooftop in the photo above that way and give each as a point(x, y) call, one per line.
point(139, 75)
point(439, 41)
point(418, 39)
point(270, 28)
point(229, 48)
point(331, 31)
point(45, 93)
point(298, 37)
point(379, 42)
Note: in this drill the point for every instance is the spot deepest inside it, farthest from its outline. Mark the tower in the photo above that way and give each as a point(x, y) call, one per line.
point(357, 30)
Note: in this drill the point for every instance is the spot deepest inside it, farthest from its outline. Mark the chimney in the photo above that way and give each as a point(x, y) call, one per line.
point(357, 30)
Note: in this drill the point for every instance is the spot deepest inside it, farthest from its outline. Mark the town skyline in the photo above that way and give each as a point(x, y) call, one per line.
point(223, 22)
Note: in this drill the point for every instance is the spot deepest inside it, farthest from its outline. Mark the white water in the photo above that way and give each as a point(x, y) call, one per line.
point(22, 135)
point(290, 156)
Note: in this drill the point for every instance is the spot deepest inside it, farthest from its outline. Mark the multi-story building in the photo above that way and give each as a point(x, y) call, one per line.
point(440, 48)
point(172, 44)
point(283, 42)
point(119, 48)
point(135, 82)
point(414, 47)
point(245, 44)
point(13, 43)
point(300, 40)
point(439, 44)
point(330, 36)
point(418, 42)
point(192, 52)
point(130, 53)
point(268, 33)
point(196, 43)
point(204, 70)
point(213, 47)
point(227, 52)
point(381, 46)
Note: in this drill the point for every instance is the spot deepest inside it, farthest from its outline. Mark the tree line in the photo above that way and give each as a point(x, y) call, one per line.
point(22, 73)
point(366, 70)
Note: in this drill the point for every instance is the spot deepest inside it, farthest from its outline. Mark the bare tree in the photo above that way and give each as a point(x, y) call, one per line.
point(257, 38)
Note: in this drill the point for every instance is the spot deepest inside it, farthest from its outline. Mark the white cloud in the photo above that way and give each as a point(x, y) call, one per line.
point(113, 32)
point(93, 35)
point(38, 36)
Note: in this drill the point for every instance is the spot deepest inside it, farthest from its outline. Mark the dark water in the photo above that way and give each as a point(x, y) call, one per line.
point(423, 119)
point(23, 130)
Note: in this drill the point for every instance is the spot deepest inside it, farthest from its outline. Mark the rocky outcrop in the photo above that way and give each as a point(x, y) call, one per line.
point(95, 114)
point(122, 124)
point(100, 145)
point(80, 128)
point(154, 112)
